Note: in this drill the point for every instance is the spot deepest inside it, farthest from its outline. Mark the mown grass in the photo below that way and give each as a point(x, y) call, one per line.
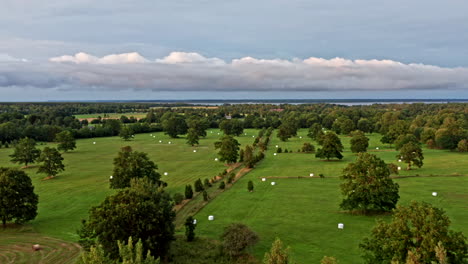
point(66, 199)
point(305, 212)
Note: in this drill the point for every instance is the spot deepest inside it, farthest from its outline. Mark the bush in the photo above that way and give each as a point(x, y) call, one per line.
point(236, 238)
point(307, 147)
point(321, 175)
point(178, 198)
point(250, 186)
point(188, 192)
point(207, 183)
point(279, 150)
point(231, 177)
point(198, 186)
point(205, 196)
point(286, 151)
point(222, 185)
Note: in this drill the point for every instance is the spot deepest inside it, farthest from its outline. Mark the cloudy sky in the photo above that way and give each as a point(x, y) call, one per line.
point(243, 49)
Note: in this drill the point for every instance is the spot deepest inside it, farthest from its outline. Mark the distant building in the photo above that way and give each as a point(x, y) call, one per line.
point(276, 110)
point(228, 117)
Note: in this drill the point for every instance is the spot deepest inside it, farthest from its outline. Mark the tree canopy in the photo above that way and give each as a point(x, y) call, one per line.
point(174, 124)
point(65, 140)
point(52, 162)
point(232, 127)
point(25, 152)
point(359, 142)
point(411, 153)
point(131, 164)
point(143, 211)
point(228, 149)
point(236, 238)
point(331, 147)
point(416, 228)
point(18, 201)
point(367, 185)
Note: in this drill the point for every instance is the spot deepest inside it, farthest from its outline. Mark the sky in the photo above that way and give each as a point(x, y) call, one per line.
point(211, 49)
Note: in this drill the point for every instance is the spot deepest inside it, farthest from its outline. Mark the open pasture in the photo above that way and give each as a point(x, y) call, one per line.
point(304, 212)
point(66, 199)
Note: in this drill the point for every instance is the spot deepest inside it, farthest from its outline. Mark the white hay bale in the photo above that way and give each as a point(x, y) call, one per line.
point(160, 141)
point(300, 137)
point(434, 194)
point(340, 226)
point(275, 154)
point(273, 183)
point(94, 142)
point(194, 221)
point(211, 217)
point(165, 173)
point(194, 150)
point(170, 142)
point(377, 148)
point(277, 146)
point(216, 159)
point(399, 168)
point(36, 247)
point(399, 160)
point(263, 179)
point(111, 177)
point(311, 175)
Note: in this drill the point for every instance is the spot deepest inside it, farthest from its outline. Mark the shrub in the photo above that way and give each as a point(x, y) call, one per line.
point(250, 186)
point(178, 198)
point(188, 192)
point(198, 186)
point(222, 185)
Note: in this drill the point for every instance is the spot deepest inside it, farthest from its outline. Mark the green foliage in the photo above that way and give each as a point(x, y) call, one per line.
point(367, 185)
point(198, 126)
point(192, 137)
point(365, 125)
point(25, 152)
point(126, 133)
point(222, 185)
point(131, 164)
point(249, 158)
point(128, 254)
point(52, 162)
point(232, 127)
point(250, 186)
point(190, 229)
point(188, 191)
point(206, 184)
point(411, 153)
point(331, 147)
point(359, 142)
point(228, 149)
point(343, 125)
point(279, 150)
point(278, 254)
point(173, 124)
point(308, 148)
point(143, 211)
point(404, 139)
point(65, 140)
point(241, 155)
point(178, 198)
point(18, 201)
point(315, 131)
point(419, 227)
point(205, 196)
point(198, 186)
point(236, 238)
point(462, 145)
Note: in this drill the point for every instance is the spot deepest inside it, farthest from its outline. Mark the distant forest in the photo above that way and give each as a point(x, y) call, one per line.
point(437, 125)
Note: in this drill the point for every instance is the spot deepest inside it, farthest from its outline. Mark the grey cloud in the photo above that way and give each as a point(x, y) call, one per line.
point(181, 71)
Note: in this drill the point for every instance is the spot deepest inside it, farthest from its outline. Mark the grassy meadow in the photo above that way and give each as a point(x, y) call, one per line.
point(303, 212)
point(66, 199)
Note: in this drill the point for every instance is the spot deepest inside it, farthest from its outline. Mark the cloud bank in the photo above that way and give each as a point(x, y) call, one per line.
point(183, 71)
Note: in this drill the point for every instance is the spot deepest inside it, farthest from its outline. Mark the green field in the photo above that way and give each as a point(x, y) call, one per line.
point(303, 212)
